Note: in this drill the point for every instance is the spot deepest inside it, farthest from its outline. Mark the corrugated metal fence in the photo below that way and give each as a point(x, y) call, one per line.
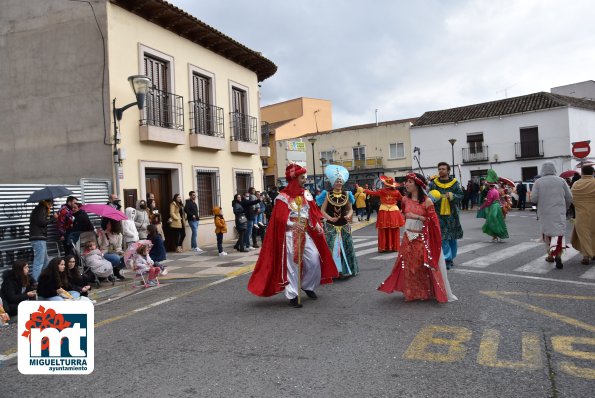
point(14, 217)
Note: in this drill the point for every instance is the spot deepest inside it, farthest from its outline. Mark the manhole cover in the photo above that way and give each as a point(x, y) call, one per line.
point(232, 264)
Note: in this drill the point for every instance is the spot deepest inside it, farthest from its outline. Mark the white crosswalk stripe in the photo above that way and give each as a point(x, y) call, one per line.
point(498, 256)
point(366, 251)
point(387, 256)
point(363, 244)
point(472, 247)
point(540, 266)
point(590, 274)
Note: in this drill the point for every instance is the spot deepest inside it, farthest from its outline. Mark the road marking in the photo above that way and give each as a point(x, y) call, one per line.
point(548, 295)
point(472, 247)
point(540, 266)
point(155, 304)
point(388, 256)
point(492, 258)
point(563, 345)
point(530, 352)
point(364, 244)
point(542, 311)
point(367, 251)
point(590, 274)
point(539, 278)
point(455, 349)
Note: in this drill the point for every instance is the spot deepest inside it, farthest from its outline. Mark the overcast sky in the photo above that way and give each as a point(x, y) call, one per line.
point(407, 57)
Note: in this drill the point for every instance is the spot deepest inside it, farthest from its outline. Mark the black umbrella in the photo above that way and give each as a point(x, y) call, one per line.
point(49, 192)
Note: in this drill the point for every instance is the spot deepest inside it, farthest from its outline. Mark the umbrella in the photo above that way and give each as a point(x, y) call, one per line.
point(105, 211)
point(569, 173)
point(49, 192)
point(134, 247)
point(506, 181)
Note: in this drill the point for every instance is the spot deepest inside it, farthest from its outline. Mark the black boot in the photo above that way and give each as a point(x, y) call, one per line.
point(311, 294)
point(294, 303)
point(118, 274)
point(559, 264)
point(254, 243)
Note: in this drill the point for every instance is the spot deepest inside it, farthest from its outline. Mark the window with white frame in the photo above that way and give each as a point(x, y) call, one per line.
point(244, 180)
point(207, 190)
point(327, 156)
point(397, 150)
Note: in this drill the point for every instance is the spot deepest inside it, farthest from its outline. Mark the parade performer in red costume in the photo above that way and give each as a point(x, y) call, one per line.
point(390, 218)
point(294, 241)
point(420, 269)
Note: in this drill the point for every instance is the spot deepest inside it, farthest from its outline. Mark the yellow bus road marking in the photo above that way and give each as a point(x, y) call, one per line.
point(546, 295)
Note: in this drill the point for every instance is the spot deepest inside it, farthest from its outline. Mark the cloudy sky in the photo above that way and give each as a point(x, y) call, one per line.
point(407, 57)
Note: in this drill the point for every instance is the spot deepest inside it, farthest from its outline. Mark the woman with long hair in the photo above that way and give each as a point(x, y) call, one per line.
point(54, 284)
point(75, 278)
point(177, 221)
point(16, 286)
point(420, 270)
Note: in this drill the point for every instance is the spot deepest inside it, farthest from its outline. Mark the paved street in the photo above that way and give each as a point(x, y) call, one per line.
point(521, 328)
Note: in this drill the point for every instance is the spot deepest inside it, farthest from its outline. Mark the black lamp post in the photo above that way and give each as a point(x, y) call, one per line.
point(312, 140)
point(322, 164)
point(140, 86)
point(452, 144)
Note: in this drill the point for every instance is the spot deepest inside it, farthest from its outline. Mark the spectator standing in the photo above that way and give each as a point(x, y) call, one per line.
point(553, 197)
point(220, 229)
point(360, 203)
point(252, 214)
point(241, 222)
point(16, 287)
point(129, 228)
point(155, 217)
point(65, 223)
point(141, 219)
point(82, 228)
point(274, 191)
point(176, 221)
point(583, 234)
point(191, 210)
point(38, 236)
point(114, 202)
point(521, 191)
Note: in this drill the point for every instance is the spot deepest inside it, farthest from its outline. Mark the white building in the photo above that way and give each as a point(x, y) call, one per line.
point(514, 136)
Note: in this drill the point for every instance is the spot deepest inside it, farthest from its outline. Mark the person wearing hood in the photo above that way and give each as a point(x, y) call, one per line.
point(220, 229)
point(141, 219)
point(583, 234)
point(16, 287)
point(553, 197)
point(129, 232)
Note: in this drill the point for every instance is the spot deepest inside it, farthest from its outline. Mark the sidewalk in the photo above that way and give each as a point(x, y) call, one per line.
point(190, 265)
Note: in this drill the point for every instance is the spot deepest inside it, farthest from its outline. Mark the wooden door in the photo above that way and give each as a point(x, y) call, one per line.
point(158, 182)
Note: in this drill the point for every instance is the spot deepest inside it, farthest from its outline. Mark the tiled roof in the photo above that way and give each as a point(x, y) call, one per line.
point(362, 126)
point(176, 20)
point(509, 106)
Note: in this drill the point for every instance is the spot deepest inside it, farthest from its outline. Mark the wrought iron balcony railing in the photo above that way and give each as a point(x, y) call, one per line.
point(476, 154)
point(163, 109)
point(206, 119)
point(528, 149)
point(243, 127)
point(265, 134)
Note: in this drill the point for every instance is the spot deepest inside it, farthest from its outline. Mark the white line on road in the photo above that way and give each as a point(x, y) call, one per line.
point(155, 304)
point(491, 258)
point(367, 251)
point(364, 244)
point(472, 247)
point(473, 271)
point(388, 256)
point(590, 274)
point(540, 266)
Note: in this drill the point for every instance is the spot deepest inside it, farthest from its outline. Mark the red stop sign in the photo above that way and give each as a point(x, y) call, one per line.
point(581, 149)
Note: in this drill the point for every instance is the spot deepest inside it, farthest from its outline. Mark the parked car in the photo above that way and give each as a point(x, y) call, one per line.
point(515, 196)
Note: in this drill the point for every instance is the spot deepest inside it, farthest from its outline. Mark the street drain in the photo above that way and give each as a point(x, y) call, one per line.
point(232, 264)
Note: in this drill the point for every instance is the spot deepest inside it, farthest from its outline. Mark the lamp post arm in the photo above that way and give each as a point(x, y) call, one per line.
point(119, 111)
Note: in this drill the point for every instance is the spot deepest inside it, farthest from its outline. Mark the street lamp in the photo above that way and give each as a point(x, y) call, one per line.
point(312, 140)
point(322, 164)
point(452, 144)
point(140, 86)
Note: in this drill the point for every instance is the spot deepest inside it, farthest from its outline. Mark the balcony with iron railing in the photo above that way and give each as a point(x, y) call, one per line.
point(476, 154)
point(206, 126)
point(163, 118)
point(360, 164)
point(244, 133)
point(265, 140)
point(528, 149)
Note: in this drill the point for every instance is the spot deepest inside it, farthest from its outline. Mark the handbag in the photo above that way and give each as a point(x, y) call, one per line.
point(242, 219)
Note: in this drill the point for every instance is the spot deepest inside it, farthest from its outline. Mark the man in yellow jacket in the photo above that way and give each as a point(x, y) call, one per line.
point(360, 203)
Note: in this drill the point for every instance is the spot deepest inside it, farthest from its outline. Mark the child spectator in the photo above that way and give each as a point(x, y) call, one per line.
point(129, 231)
point(96, 262)
point(157, 251)
point(16, 286)
point(220, 229)
point(143, 263)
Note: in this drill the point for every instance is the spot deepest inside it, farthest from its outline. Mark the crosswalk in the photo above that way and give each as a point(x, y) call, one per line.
point(484, 255)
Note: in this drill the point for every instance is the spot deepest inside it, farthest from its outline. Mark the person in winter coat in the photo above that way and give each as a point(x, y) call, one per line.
point(82, 228)
point(96, 262)
point(177, 221)
point(360, 203)
point(141, 219)
point(220, 229)
point(553, 197)
point(144, 264)
point(129, 231)
point(38, 235)
point(53, 282)
point(241, 222)
point(74, 276)
point(157, 251)
point(16, 287)
point(110, 244)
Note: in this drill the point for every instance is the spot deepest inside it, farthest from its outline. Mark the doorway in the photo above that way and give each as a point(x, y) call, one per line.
point(159, 183)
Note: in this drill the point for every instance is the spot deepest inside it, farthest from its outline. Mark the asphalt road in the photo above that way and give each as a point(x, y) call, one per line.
point(515, 332)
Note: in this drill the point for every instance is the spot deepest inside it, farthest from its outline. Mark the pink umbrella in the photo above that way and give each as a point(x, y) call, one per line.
point(568, 173)
point(105, 211)
point(134, 247)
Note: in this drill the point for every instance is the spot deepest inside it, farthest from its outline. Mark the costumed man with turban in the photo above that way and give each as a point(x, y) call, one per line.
point(338, 211)
point(583, 233)
point(390, 219)
point(451, 195)
point(491, 209)
point(294, 255)
point(420, 269)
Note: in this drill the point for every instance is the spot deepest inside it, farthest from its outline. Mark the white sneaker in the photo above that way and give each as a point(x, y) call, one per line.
point(250, 248)
point(222, 254)
point(198, 250)
point(164, 272)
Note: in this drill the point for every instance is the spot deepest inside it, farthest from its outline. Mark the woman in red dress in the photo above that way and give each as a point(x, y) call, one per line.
point(390, 219)
point(420, 270)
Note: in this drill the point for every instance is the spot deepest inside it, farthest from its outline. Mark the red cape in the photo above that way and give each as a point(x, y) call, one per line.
point(269, 276)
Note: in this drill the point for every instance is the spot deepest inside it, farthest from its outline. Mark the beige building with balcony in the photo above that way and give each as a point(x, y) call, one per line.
point(367, 151)
point(200, 128)
point(290, 119)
